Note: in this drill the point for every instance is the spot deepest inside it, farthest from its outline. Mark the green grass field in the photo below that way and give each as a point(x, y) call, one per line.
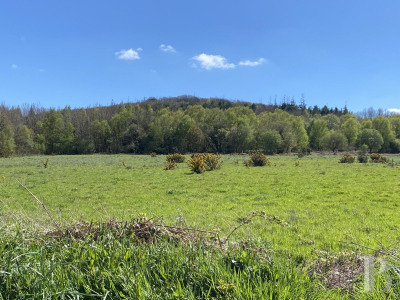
point(323, 202)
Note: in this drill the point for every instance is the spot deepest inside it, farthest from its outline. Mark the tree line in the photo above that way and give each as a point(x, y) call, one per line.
point(189, 124)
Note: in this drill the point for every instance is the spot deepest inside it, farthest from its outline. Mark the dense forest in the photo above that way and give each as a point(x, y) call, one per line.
point(190, 124)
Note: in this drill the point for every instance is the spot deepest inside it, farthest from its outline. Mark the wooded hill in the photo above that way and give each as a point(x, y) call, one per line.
point(190, 124)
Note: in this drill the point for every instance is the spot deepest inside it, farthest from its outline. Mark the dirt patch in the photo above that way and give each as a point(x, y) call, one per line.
point(338, 271)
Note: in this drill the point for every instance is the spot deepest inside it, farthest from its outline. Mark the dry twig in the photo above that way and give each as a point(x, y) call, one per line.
point(42, 205)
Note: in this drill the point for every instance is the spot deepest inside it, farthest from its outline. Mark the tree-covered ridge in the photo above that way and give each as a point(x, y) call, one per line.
point(189, 124)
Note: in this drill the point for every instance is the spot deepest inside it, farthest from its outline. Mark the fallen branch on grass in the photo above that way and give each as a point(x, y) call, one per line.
point(143, 230)
point(377, 251)
point(247, 220)
point(42, 205)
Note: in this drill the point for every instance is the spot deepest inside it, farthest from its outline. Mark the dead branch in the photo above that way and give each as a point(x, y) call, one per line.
point(42, 205)
point(377, 251)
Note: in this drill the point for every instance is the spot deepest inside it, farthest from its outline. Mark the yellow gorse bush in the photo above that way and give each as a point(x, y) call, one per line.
point(201, 162)
point(348, 159)
point(257, 159)
point(170, 165)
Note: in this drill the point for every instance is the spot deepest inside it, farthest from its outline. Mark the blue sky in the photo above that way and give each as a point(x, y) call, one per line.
point(85, 53)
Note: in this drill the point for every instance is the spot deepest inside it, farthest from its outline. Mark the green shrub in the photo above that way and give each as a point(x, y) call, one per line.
point(349, 159)
point(176, 157)
point(377, 158)
point(259, 159)
point(362, 154)
point(303, 152)
point(153, 154)
point(362, 158)
point(170, 165)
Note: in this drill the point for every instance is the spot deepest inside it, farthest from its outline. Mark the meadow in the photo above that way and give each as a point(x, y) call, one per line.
point(322, 204)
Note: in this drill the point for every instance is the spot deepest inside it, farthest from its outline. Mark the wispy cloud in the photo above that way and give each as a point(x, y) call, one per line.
point(129, 54)
point(208, 62)
point(249, 63)
point(167, 48)
point(393, 111)
point(14, 66)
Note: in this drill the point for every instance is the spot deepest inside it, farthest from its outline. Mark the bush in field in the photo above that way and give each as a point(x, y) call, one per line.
point(348, 159)
point(362, 154)
point(212, 161)
point(377, 158)
point(300, 155)
point(362, 158)
point(247, 163)
point(170, 165)
point(201, 162)
point(176, 157)
point(153, 154)
point(258, 159)
point(197, 164)
point(304, 152)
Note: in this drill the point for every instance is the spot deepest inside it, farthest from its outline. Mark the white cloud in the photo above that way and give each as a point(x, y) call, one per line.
point(129, 54)
point(14, 66)
point(167, 48)
point(249, 63)
point(209, 62)
point(139, 49)
point(394, 111)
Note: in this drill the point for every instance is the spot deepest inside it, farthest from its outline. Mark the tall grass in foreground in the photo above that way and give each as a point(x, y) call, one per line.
point(124, 267)
point(105, 264)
